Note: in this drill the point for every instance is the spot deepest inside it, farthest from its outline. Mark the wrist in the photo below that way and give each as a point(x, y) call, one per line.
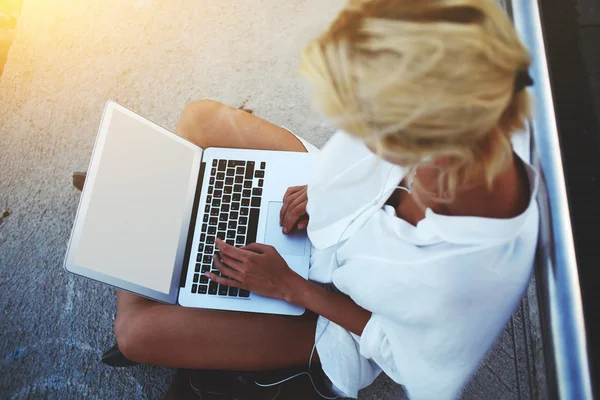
point(296, 289)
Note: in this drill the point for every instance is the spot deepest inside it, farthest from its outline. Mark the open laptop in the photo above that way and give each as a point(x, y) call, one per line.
point(153, 205)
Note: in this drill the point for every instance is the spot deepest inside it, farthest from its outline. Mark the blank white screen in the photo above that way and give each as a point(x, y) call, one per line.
point(133, 224)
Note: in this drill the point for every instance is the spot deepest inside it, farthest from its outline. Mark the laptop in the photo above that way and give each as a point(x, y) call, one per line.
point(154, 203)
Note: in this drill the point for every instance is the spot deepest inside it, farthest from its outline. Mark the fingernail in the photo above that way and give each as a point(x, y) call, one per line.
point(285, 230)
point(207, 274)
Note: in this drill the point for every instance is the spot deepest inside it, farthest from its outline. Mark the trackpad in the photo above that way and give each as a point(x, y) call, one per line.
point(293, 244)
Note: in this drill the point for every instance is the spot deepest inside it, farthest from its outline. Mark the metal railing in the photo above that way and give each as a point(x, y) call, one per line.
point(563, 328)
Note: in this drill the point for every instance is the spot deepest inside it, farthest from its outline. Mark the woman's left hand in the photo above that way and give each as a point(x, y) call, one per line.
point(256, 267)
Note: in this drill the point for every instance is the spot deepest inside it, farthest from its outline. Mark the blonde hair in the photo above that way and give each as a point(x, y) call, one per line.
point(424, 78)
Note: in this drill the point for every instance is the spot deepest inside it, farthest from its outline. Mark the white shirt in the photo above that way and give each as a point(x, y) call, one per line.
point(439, 292)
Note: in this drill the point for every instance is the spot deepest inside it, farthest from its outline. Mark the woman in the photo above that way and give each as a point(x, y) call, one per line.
point(423, 219)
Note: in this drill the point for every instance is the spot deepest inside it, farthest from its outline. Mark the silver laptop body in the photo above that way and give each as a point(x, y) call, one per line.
point(153, 204)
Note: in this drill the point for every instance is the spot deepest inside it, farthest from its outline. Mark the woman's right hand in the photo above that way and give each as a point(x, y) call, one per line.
point(293, 213)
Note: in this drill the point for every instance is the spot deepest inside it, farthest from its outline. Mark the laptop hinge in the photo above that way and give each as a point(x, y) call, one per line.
point(190, 237)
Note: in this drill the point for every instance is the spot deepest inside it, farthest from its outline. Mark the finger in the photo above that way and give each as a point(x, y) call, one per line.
point(226, 269)
point(294, 212)
point(294, 202)
point(286, 204)
point(231, 262)
point(231, 252)
point(303, 223)
point(291, 190)
point(256, 248)
point(222, 279)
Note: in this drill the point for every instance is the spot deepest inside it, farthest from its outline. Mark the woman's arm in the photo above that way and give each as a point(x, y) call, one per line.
point(261, 269)
point(335, 307)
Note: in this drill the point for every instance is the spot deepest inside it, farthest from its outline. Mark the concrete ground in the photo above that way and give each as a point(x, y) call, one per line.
point(67, 59)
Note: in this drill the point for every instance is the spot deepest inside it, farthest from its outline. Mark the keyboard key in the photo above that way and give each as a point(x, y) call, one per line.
point(233, 291)
point(239, 171)
point(203, 279)
point(222, 165)
point(244, 211)
point(246, 193)
point(205, 268)
point(230, 172)
point(233, 215)
point(212, 288)
point(233, 163)
point(263, 165)
point(223, 217)
point(257, 192)
point(241, 230)
point(210, 240)
point(237, 188)
point(247, 184)
point(208, 199)
point(219, 185)
point(239, 179)
point(225, 207)
point(259, 174)
point(211, 181)
point(221, 235)
point(202, 237)
point(207, 259)
point(223, 290)
point(199, 258)
point(200, 247)
point(256, 202)
point(226, 199)
point(245, 202)
point(205, 218)
point(202, 289)
point(244, 293)
point(231, 234)
point(229, 181)
point(232, 224)
point(236, 197)
point(214, 212)
point(212, 230)
point(207, 208)
point(240, 240)
point(214, 220)
point(235, 206)
point(260, 183)
point(197, 268)
point(215, 162)
point(216, 203)
point(228, 189)
point(210, 190)
point(250, 170)
point(194, 288)
point(230, 242)
point(209, 250)
point(243, 220)
point(218, 193)
point(221, 176)
point(252, 225)
point(213, 171)
point(222, 226)
point(204, 226)
point(196, 276)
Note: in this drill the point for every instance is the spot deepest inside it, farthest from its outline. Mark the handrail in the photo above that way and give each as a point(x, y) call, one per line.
point(563, 327)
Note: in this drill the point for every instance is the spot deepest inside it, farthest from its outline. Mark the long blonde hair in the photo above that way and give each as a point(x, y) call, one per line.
point(424, 78)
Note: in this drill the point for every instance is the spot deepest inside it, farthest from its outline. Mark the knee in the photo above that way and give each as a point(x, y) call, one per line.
point(198, 118)
point(130, 334)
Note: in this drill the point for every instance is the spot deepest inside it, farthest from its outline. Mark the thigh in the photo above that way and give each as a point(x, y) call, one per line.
point(209, 123)
point(183, 337)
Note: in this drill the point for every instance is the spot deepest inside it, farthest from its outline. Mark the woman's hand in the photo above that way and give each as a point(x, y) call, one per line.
point(256, 267)
point(293, 213)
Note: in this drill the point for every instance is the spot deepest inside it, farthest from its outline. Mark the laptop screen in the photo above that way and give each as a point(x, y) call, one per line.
point(133, 222)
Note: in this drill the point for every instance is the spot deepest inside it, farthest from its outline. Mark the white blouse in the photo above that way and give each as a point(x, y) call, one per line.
point(439, 292)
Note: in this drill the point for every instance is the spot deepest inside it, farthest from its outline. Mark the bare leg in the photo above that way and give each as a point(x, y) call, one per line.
point(174, 336)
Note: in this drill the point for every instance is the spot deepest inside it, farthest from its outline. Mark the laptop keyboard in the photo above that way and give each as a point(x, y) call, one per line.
point(231, 214)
